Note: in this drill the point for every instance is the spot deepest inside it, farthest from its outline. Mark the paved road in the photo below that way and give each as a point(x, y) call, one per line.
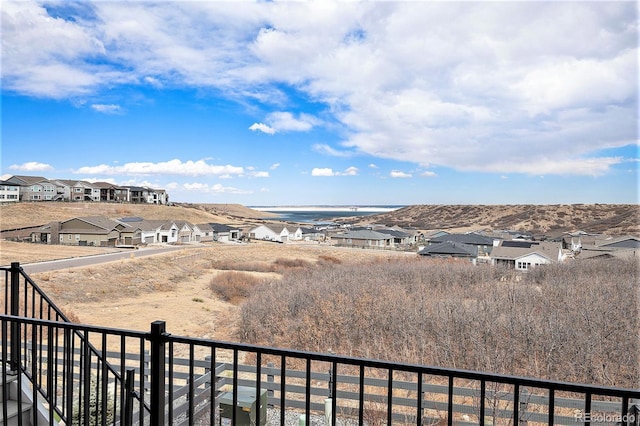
point(53, 265)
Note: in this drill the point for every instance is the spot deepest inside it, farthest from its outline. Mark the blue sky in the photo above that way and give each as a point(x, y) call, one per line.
point(305, 103)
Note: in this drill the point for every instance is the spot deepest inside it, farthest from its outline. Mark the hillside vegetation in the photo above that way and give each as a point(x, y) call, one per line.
point(573, 322)
point(612, 219)
point(17, 215)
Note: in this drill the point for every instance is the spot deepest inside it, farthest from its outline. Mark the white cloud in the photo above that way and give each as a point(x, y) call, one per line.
point(261, 127)
point(328, 150)
point(428, 173)
point(584, 166)
point(274, 166)
point(31, 166)
point(172, 167)
point(372, 166)
point(285, 121)
point(495, 84)
point(322, 172)
point(153, 82)
point(212, 189)
point(399, 174)
point(350, 171)
point(106, 108)
point(259, 174)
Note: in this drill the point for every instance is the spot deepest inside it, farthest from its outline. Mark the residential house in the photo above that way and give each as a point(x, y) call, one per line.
point(63, 189)
point(107, 191)
point(219, 232)
point(206, 232)
point(450, 249)
point(89, 231)
point(574, 241)
point(624, 242)
point(187, 232)
point(312, 234)
point(620, 247)
point(34, 188)
point(143, 194)
point(276, 232)
point(401, 238)
point(364, 238)
point(524, 255)
point(482, 244)
point(154, 231)
point(38, 188)
point(9, 192)
point(76, 190)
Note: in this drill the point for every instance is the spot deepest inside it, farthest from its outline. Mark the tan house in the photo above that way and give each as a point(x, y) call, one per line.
point(89, 231)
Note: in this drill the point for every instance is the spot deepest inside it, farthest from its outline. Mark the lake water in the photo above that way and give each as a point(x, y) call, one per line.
point(323, 214)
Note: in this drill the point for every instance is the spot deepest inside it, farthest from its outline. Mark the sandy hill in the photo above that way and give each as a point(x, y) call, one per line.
point(17, 215)
point(612, 219)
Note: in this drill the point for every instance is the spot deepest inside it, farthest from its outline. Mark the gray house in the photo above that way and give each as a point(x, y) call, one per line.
point(482, 244)
point(363, 239)
point(450, 250)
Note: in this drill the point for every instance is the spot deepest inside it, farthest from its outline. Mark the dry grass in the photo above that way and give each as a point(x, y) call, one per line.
point(17, 215)
point(30, 253)
point(562, 322)
point(611, 219)
point(132, 293)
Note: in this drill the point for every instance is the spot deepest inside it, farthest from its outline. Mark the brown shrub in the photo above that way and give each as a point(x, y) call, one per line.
point(233, 287)
point(561, 322)
point(231, 265)
point(285, 263)
point(325, 259)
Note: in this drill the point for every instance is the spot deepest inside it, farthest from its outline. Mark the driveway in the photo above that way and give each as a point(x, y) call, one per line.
point(32, 268)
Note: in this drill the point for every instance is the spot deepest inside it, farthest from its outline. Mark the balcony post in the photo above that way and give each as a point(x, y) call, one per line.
point(14, 360)
point(158, 345)
point(127, 412)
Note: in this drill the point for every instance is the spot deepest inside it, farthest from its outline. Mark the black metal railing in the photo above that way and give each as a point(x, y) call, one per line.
point(175, 380)
point(62, 366)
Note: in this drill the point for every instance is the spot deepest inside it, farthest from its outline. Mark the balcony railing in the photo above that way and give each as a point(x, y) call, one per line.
point(76, 370)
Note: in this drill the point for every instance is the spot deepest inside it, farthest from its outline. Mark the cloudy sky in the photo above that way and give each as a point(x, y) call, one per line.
point(301, 103)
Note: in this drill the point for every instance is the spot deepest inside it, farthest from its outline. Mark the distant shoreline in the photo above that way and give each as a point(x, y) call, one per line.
point(367, 209)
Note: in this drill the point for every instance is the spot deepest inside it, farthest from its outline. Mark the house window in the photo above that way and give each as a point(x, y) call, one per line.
point(61, 239)
point(77, 237)
point(69, 237)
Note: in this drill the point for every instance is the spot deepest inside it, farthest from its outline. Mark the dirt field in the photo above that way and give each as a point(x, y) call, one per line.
point(132, 293)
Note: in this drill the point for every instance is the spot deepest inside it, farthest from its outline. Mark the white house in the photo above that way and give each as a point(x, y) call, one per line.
point(9, 192)
point(524, 255)
point(275, 232)
point(155, 231)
